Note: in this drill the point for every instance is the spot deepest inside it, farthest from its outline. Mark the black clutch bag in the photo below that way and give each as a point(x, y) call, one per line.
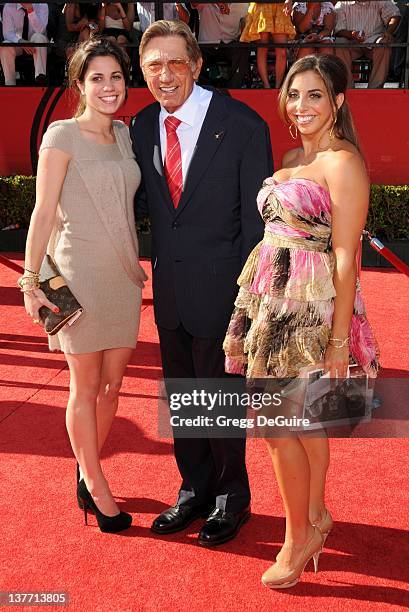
point(57, 291)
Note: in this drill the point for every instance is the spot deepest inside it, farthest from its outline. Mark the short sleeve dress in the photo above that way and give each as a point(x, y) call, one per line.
point(94, 242)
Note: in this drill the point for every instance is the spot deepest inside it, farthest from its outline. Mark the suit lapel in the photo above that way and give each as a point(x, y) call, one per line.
point(210, 137)
point(159, 170)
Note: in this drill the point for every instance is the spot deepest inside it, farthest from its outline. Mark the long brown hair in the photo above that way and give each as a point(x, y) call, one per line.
point(334, 73)
point(84, 54)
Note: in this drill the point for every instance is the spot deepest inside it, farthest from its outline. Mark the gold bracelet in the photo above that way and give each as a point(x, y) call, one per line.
point(31, 272)
point(32, 282)
point(339, 342)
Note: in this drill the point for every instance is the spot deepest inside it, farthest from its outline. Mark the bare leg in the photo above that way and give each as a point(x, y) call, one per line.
point(85, 382)
point(326, 51)
point(347, 54)
point(122, 40)
point(84, 35)
point(317, 450)
point(281, 58)
point(303, 51)
point(292, 471)
point(262, 60)
point(113, 367)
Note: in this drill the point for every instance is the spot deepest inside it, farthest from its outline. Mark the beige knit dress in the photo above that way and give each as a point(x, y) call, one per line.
point(94, 241)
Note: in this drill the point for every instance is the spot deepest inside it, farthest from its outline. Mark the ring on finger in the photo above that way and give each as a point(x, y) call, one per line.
point(36, 321)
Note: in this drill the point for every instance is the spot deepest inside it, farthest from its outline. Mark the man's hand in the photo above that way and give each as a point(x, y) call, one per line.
point(29, 50)
point(313, 37)
point(385, 38)
point(224, 8)
point(358, 36)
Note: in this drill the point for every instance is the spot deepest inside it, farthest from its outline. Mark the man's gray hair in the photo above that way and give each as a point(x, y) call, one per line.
point(171, 28)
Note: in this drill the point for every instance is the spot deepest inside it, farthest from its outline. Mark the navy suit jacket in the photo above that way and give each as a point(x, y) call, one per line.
point(198, 249)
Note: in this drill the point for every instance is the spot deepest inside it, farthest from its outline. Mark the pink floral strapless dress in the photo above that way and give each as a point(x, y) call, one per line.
point(283, 312)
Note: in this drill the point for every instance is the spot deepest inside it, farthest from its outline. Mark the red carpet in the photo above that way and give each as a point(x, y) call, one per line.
point(46, 547)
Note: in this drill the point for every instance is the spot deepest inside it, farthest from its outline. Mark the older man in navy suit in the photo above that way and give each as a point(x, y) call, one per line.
point(203, 158)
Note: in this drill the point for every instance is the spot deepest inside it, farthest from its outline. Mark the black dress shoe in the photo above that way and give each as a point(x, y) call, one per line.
point(40, 79)
point(222, 526)
point(178, 518)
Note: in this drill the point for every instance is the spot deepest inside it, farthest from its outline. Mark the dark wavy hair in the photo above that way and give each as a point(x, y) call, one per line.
point(334, 73)
point(84, 54)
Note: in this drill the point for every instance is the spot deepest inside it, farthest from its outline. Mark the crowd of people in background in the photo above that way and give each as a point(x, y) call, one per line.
point(302, 28)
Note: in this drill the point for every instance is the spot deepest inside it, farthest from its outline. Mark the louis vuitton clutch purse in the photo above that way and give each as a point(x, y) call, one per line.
point(57, 291)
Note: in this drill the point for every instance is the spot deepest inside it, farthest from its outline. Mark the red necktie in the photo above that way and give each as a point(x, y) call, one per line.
point(173, 160)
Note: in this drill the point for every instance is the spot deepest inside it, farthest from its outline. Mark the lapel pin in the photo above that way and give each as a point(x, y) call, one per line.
point(218, 135)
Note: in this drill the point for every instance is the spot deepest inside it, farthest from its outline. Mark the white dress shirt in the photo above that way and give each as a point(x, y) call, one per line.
point(192, 114)
point(13, 21)
point(215, 26)
point(146, 13)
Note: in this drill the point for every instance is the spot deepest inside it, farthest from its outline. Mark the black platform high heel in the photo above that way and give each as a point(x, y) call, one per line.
point(79, 500)
point(107, 524)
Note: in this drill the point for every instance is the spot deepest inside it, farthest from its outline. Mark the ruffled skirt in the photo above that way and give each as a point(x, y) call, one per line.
point(266, 18)
point(283, 315)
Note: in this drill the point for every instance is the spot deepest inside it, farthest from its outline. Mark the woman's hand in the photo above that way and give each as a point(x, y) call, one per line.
point(336, 361)
point(313, 37)
point(82, 24)
point(288, 7)
point(34, 300)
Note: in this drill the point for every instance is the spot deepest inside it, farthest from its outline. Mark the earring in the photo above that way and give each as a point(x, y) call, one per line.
point(332, 130)
point(294, 137)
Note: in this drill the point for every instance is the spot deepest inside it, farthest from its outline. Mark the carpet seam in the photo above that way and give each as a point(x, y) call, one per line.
point(33, 395)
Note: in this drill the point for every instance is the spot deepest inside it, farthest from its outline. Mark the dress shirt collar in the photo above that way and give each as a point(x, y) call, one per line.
point(187, 112)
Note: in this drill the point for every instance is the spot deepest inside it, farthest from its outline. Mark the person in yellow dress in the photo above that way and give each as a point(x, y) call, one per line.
point(262, 22)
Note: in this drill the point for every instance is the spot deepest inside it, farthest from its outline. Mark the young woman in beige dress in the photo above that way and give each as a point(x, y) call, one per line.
point(86, 181)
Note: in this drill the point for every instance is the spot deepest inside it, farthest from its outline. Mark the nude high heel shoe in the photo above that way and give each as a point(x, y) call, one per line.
point(325, 524)
point(274, 579)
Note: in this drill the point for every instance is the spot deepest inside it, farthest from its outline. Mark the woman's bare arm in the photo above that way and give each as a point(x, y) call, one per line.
point(329, 25)
point(52, 168)
point(349, 189)
point(70, 12)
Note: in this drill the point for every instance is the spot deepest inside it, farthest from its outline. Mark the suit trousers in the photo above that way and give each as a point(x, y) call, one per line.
point(380, 62)
point(8, 59)
point(213, 469)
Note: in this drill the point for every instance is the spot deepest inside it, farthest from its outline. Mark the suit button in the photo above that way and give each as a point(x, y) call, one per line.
point(175, 225)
